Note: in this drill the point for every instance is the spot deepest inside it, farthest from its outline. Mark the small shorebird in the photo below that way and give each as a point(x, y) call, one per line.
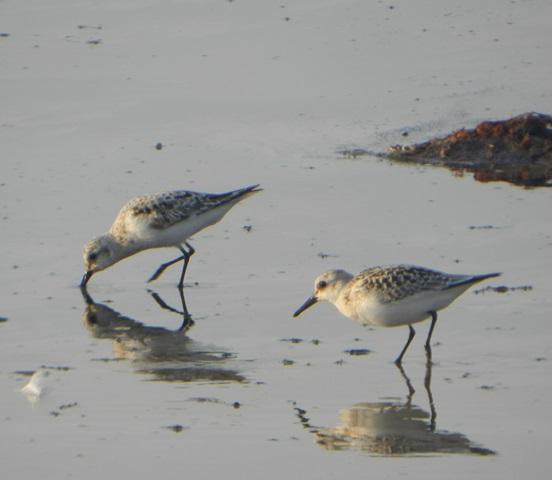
point(392, 296)
point(159, 220)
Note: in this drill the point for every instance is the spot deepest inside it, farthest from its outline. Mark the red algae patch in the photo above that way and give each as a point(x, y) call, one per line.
point(517, 150)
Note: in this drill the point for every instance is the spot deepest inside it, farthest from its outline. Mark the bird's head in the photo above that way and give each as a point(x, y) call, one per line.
point(327, 287)
point(98, 254)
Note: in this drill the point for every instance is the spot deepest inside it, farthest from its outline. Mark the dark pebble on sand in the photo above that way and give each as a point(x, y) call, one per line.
point(176, 428)
point(358, 351)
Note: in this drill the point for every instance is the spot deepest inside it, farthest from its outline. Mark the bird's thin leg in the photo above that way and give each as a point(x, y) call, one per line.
point(428, 341)
point(411, 334)
point(187, 254)
point(163, 267)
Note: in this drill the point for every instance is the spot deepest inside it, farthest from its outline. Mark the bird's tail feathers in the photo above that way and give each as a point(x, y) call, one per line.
point(237, 194)
point(473, 279)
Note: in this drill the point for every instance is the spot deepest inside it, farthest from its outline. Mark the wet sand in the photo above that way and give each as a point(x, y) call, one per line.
point(241, 93)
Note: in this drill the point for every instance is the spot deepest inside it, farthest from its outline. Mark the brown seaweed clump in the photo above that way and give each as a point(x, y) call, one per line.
point(517, 150)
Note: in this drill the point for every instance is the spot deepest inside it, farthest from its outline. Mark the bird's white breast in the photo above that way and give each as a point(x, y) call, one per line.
point(415, 308)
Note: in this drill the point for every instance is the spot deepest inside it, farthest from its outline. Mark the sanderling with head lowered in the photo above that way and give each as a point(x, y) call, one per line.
point(392, 296)
point(159, 220)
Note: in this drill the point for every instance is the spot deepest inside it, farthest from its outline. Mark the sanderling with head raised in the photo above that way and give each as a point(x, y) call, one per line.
point(159, 220)
point(392, 296)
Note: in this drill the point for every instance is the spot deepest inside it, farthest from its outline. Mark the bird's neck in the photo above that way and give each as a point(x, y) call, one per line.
point(337, 291)
point(119, 249)
point(341, 299)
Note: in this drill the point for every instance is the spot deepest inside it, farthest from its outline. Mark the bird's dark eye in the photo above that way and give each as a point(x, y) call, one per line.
point(93, 256)
point(322, 284)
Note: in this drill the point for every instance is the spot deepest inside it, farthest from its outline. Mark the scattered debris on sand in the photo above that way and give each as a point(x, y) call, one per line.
point(517, 150)
point(314, 341)
point(483, 227)
point(324, 255)
point(91, 27)
point(358, 351)
point(235, 404)
point(177, 428)
point(65, 406)
point(503, 289)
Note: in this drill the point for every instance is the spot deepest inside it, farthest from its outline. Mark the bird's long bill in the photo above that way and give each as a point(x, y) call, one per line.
point(85, 278)
point(85, 295)
point(309, 303)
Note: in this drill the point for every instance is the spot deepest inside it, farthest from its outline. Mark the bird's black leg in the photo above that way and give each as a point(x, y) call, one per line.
point(163, 267)
point(428, 341)
point(187, 254)
point(411, 334)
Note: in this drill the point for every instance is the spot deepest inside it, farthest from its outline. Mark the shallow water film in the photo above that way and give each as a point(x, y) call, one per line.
point(103, 101)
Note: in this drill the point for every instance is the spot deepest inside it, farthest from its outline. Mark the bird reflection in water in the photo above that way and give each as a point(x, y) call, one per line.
point(168, 355)
point(393, 428)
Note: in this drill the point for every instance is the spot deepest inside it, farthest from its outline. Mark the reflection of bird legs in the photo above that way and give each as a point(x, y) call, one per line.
point(187, 321)
point(411, 390)
point(427, 385)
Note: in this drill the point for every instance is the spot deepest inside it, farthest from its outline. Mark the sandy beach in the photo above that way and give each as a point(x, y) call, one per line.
point(243, 92)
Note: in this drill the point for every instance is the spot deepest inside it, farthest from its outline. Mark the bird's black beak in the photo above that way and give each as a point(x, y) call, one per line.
point(85, 278)
point(309, 303)
point(86, 296)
